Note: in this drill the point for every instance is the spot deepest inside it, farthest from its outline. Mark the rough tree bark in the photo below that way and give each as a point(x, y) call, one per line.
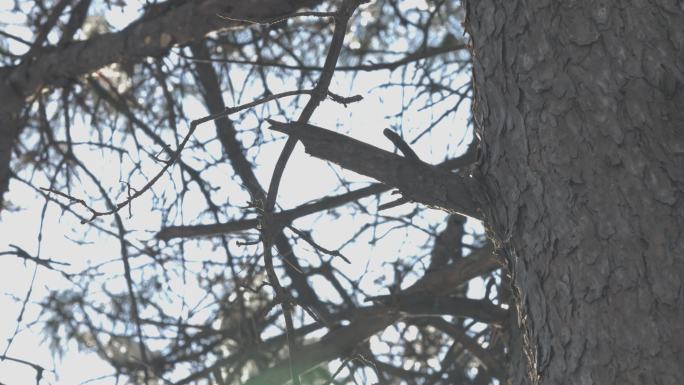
point(579, 110)
point(579, 105)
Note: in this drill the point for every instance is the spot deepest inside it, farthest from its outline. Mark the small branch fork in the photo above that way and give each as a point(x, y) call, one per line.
point(409, 154)
point(133, 193)
point(431, 185)
point(288, 216)
point(48, 263)
point(400, 144)
point(370, 320)
point(39, 369)
point(308, 239)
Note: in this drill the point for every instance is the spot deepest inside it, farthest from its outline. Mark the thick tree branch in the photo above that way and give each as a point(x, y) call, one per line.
point(369, 321)
point(418, 181)
point(288, 216)
point(283, 217)
point(225, 130)
point(232, 147)
point(174, 23)
point(337, 343)
point(442, 281)
point(424, 304)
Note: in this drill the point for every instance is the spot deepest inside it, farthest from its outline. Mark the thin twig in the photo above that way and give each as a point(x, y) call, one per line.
point(308, 239)
point(14, 37)
point(278, 19)
point(20, 317)
point(369, 67)
point(394, 203)
point(338, 371)
point(47, 263)
point(344, 100)
point(175, 155)
point(39, 369)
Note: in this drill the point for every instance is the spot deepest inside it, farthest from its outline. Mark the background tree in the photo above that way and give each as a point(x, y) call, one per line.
point(577, 177)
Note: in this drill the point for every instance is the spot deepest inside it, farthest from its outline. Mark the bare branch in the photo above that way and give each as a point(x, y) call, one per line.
point(268, 229)
point(412, 57)
point(283, 217)
point(421, 182)
point(273, 20)
point(342, 341)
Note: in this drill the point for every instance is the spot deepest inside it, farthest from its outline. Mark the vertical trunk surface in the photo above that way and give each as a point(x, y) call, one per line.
point(11, 104)
point(580, 105)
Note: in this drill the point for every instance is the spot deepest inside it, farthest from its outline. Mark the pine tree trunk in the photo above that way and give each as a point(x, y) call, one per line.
point(580, 106)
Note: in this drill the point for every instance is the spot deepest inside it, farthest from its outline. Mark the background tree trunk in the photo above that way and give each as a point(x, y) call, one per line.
point(580, 108)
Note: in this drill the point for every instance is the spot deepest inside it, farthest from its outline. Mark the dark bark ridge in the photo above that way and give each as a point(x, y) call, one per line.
point(418, 181)
point(579, 105)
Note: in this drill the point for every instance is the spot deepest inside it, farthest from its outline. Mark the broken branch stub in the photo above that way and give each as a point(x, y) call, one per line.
point(417, 181)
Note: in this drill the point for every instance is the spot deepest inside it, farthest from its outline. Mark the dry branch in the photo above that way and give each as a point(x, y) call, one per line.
point(369, 321)
point(417, 181)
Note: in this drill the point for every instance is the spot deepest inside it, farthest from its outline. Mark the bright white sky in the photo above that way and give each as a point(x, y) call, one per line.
point(363, 121)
